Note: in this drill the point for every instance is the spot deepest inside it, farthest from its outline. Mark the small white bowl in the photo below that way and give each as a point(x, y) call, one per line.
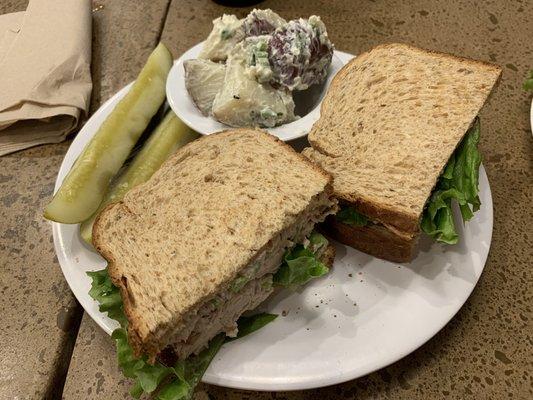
point(307, 102)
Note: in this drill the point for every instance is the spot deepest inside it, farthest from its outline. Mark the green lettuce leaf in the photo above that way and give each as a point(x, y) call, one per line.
point(528, 84)
point(175, 390)
point(301, 264)
point(247, 325)
point(170, 383)
point(189, 372)
point(348, 215)
point(146, 377)
point(317, 242)
point(178, 382)
point(459, 182)
point(107, 295)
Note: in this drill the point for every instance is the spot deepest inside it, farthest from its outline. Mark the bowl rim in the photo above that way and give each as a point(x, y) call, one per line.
point(181, 103)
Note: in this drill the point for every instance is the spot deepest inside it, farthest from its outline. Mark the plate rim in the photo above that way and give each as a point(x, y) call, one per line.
point(302, 384)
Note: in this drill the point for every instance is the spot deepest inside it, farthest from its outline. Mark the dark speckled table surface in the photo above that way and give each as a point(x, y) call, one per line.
point(50, 349)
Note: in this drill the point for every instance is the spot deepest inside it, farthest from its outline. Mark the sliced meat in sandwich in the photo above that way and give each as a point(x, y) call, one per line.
point(202, 241)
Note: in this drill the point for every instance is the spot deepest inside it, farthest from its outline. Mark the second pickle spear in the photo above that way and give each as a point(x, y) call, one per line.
point(85, 185)
point(169, 135)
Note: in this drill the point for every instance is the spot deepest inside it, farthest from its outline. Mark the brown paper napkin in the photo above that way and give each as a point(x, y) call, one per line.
point(45, 78)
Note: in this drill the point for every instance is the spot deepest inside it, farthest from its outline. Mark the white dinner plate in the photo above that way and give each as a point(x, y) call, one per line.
point(307, 102)
point(366, 314)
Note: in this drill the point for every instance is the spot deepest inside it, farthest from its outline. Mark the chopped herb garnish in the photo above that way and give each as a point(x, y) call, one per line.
point(226, 33)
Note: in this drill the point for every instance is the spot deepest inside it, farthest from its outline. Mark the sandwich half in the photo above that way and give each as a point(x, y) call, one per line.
point(203, 240)
point(389, 124)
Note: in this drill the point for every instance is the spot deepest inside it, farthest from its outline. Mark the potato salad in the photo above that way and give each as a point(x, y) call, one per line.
point(249, 68)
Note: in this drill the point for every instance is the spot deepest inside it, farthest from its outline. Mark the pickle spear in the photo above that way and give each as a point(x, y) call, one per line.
point(84, 187)
point(169, 135)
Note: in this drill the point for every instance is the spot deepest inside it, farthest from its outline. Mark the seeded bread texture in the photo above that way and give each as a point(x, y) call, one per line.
point(178, 239)
point(390, 121)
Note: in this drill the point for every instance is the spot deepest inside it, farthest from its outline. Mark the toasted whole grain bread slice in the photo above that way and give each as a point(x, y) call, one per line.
point(211, 208)
point(390, 121)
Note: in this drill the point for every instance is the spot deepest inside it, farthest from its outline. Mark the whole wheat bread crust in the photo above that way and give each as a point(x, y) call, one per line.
point(372, 239)
point(382, 214)
point(328, 256)
point(405, 222)
point(134, 337)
